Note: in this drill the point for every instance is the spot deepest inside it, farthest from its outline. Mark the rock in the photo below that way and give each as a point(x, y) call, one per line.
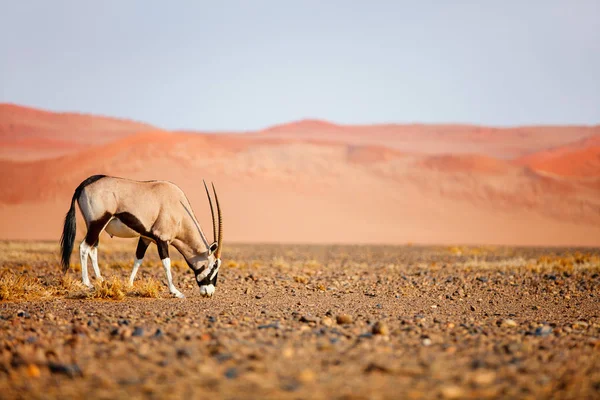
point(158, 333)
point(508, 323)
point(138, 331)
point(484, 377)
point(327, 321)
point(344, 319)
point(580, 325)
point(452, 392)
point(23, 314)
point(426, 342)
point(542, 331)
point(307, 376)
point(183, 353)
point(274, 325)
point(380, 328)
point(308, 318)
point(258, 296)
point(33, 371)
point(375, 367)
point(482, 279)
point(231, 373)
point(71, 370)
point(472, 308)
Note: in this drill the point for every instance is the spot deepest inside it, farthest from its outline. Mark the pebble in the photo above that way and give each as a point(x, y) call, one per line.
point(580, 325)
point(158, 333)
point(33, 371)
point(23, 314)
point(71, 370)
point(426, 342)
point(452, 392)
point(231, 373)
point(484, 378)
point(138, 331)
point(543, 331)
point(274, 325)
point(308, 318)
point(509, 323)
point(343, 319)
point(380, 328)
point(327, 321)
point(307, 376)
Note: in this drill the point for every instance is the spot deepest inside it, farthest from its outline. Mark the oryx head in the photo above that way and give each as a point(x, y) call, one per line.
point(207, 276)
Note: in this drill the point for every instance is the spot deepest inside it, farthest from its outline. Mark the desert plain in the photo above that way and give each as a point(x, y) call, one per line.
point(302, 321)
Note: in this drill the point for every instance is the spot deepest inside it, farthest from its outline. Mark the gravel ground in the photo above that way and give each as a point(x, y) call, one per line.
point(350, 322)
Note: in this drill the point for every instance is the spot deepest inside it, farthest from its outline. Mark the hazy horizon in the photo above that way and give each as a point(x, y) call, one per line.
point(241, 66)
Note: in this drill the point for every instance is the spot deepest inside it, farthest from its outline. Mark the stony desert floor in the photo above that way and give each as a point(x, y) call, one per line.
point(352, 322)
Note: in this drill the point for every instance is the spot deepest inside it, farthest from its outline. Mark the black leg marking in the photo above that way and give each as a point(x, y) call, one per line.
point(93, 234)
point(142, 246)
point(163, 249)
point(133, 223)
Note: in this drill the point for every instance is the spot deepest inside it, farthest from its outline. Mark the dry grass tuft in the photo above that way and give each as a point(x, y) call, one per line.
point(71, 287)
point(146, 288)
point(112, 288)
point(21, 287)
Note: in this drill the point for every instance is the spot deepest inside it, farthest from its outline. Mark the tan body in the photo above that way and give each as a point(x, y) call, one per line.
point(155, 211)
point(160, 206)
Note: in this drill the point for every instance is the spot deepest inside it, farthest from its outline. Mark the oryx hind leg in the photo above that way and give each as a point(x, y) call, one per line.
point(142, 246)
point(89, 246)
point(163, 252)
point(94, 258)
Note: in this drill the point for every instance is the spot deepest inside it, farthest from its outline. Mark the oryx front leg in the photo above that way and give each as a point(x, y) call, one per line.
point(163, 252)
point(142, 246)
point(84, 250)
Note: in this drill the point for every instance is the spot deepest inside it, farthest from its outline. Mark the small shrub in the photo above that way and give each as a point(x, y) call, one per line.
point(20, 287)
point(146, 288)
point(112, 288)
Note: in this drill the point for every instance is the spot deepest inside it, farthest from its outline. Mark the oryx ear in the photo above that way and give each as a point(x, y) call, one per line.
point(213, 247)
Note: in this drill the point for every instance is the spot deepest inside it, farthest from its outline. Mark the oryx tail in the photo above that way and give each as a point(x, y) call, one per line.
point(70, 227)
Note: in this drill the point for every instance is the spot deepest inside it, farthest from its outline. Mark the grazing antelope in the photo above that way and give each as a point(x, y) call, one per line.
point(154, 211)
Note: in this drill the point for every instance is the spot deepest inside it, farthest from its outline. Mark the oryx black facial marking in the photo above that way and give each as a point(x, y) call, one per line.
point(154, 211)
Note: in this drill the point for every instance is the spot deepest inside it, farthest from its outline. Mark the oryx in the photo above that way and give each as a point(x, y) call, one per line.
point(154, 211)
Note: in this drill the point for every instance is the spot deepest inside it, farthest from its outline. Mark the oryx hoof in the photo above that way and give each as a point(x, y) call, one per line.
point(207, 290)
point(178, 295)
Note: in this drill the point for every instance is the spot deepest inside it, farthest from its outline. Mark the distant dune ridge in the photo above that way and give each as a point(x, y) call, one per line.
point(318, 182)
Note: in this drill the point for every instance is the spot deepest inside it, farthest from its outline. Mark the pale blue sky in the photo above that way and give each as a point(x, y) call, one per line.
point(250, 64)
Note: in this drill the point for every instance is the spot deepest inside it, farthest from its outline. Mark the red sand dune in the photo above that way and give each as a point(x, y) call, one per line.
point(504, 143)
point(580, 159)
point(467, 163)
point(320, 182)
point(29, 133)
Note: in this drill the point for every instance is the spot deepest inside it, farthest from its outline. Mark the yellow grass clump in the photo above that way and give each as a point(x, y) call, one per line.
point(20, 287)
point(70, 286)
point(146, 288)
point(112, 288)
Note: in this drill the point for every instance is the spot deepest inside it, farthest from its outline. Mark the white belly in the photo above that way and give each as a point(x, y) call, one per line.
point(116, 228)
